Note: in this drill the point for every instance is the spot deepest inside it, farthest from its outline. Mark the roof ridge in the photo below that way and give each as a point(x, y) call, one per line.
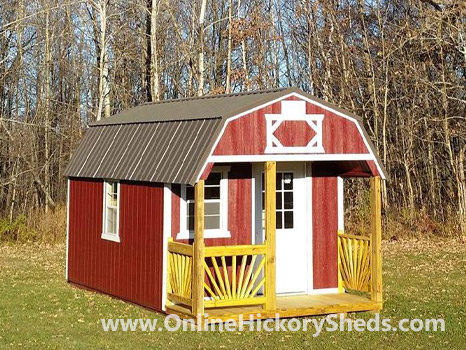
point(243, 93)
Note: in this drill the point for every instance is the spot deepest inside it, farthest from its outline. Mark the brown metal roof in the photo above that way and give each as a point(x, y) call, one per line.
point(168, 152)
point(204, 107)
point(168, 141)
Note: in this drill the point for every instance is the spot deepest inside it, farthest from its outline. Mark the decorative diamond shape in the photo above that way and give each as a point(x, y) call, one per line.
point(294, 133)
point(285, 131)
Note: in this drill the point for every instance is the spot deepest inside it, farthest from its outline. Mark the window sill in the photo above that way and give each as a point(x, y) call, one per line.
point(111, 237)
point(207, 234)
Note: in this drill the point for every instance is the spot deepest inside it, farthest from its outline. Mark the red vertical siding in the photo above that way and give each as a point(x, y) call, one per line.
point(247, 135)
point(239, 208)
point(324, 231)
point(132, 269)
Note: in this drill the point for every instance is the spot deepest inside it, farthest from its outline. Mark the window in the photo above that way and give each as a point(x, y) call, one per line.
point(284, 198)
point(215, 206)
point(111, 211)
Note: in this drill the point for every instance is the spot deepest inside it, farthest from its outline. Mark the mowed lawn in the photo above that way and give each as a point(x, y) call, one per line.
point(39, 310)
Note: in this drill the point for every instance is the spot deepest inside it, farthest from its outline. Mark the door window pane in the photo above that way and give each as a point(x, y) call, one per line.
point(288, 181)
point(279, 201)
point(288, 219)
point(279, 219)
point(284, 200)
point(279, 181)
point(288, 199)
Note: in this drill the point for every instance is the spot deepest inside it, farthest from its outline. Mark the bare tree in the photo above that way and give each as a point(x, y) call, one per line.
point(398, 64)
point(99, 16)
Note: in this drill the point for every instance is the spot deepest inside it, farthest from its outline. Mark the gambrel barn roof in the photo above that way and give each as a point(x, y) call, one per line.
point(170, 141)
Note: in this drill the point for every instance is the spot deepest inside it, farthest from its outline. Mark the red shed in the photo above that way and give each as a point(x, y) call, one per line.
point(223, 205)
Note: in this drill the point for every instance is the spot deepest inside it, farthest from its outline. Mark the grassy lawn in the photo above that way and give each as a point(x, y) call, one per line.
point(38, 309)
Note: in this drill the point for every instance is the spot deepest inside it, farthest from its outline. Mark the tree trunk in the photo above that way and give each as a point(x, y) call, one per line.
point(104, 83)
point(154, 59)
point(228, 77)
point(200, 88)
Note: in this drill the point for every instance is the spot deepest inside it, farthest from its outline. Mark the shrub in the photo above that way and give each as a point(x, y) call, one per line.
point(36, 227)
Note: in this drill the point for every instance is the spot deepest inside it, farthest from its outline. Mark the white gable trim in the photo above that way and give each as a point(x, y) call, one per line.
point(288, 157)
point(355, 121)
point(213, 159)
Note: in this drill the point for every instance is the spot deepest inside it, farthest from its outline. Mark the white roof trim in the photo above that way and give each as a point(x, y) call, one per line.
point(288, 157)
point(366, 156)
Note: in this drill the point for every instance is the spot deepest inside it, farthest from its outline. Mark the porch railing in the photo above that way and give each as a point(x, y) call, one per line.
point(234, 275)
point(179, 278)
point(354, 261)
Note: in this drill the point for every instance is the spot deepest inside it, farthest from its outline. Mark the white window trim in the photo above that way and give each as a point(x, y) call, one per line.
point(223, 232)
point(110, 236)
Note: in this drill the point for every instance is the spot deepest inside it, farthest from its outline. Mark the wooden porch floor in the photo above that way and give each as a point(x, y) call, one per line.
point(288, 306)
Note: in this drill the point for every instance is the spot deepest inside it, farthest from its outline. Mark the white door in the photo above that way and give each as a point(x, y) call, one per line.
point(292, 237)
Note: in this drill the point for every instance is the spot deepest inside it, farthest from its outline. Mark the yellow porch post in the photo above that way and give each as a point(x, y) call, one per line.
point(270, 228)
point(198, 261)
point(376, 240)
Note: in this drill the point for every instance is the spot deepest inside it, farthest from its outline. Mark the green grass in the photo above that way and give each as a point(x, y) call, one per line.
point(39, 310)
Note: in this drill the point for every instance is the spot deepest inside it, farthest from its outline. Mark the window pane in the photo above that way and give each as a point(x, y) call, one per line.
point(288, 219)
point(108, 188)
point(288, 181)
point(109, 199)
point(212, 208)
point(212, 193)
point(279, 200)
point(190, 223)
point(212, 222)
point(112, 194)
point(279, 181)
point(191, 209)
point(279, 219)
point(214, 179)
point(111, 220)
point(288, 200)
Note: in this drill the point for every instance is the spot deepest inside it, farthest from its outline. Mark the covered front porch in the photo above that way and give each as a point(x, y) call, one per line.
point(286, 306)
point(219, 283)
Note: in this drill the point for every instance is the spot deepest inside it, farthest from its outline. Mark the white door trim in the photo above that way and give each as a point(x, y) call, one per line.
point(310, 263)
point(256, 178)
point(257, 169)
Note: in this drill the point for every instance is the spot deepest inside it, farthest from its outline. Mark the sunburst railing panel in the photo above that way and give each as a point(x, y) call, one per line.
point(354, 261)
point(235, 275)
